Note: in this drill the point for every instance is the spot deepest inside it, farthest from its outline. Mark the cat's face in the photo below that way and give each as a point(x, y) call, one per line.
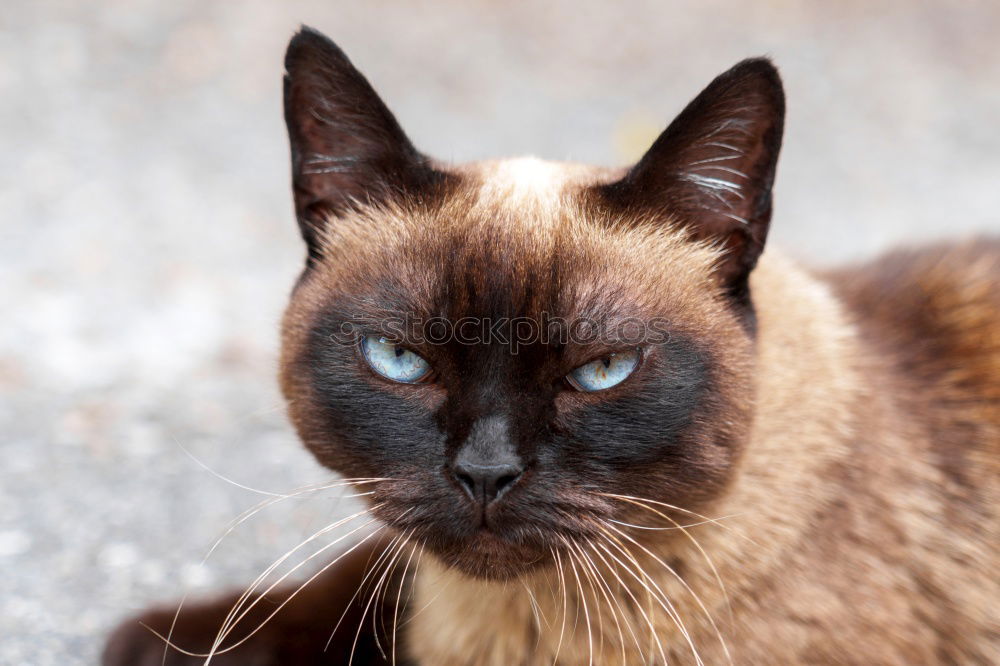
point(511, 345)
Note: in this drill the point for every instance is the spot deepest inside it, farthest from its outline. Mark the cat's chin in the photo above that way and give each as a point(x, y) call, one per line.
point(488, 557)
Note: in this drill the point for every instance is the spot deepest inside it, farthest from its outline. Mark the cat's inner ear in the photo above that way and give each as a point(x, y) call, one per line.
point(347, 148)
point(712, 169)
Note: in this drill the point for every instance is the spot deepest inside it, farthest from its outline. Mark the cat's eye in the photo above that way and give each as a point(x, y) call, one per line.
point(603, 373)
point(393, 361)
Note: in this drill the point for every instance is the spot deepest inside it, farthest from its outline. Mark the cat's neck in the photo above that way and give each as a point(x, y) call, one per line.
point(809, 385)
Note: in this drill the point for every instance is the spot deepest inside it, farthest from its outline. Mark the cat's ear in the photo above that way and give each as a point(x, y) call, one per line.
point(712, 169)
point(347, 148)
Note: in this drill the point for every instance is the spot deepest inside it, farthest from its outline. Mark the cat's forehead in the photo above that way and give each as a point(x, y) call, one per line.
point(513, 237)
point(528, 184)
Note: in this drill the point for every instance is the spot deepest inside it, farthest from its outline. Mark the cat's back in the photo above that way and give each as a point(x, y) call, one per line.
point(929, 322)
point(933, 315)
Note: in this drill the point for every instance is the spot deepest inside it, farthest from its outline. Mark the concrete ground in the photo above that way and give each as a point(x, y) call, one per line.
point(147, 242)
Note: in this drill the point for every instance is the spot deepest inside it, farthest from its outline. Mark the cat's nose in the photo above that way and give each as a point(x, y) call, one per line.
point(487, 464)
point(486, 482)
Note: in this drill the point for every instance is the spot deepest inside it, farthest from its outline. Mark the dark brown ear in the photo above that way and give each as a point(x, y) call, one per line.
point(347, 148)
point(713, 167)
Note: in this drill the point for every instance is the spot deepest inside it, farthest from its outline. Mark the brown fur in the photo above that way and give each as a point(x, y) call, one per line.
point(865, 500)
point(868, 546)
point(828, 494)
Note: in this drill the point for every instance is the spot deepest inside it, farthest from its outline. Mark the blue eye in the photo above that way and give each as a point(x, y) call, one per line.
point(604, 372)
point(394, 361)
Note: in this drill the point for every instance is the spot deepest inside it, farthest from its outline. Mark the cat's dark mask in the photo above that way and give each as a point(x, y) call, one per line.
point(499, 441)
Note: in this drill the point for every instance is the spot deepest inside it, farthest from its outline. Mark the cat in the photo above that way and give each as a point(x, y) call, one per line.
point(663, 446)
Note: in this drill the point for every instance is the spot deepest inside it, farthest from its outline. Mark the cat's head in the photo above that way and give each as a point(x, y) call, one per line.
point(514, 344)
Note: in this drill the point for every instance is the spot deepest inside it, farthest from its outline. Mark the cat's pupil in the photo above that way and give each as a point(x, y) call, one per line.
point(399, 351)
point(607, 362)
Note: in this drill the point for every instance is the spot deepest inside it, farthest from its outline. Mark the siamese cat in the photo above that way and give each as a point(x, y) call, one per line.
point(596, 424)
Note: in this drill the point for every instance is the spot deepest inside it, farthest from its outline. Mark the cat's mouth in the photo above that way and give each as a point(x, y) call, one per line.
point(487, 554)
point(504, 540)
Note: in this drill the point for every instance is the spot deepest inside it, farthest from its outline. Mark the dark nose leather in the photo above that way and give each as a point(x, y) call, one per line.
point(485, 483)
point(487, 465)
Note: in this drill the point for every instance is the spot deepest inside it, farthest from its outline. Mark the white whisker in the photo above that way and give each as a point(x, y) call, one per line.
point(675, 527)
point(395, 548)
point(228, 623)
point(237, 620)
point(370, 569)
point(681, 580)
point(215, 651)
point(607, 593)
point(659, 595)
point(593, 588)
point(645, 616)
point(562, 588)
point(399, 596)
point(583, 600)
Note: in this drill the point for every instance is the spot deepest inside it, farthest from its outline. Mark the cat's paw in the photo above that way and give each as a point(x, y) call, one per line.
point(139, 641)
point(134, 644)
point(303, 634)
point(289, 627)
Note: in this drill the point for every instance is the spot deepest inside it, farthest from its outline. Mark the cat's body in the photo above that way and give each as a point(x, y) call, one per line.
point(828, 441)
point(868, 492)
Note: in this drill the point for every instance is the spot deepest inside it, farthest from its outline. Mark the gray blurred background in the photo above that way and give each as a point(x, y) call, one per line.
point(147, 242)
